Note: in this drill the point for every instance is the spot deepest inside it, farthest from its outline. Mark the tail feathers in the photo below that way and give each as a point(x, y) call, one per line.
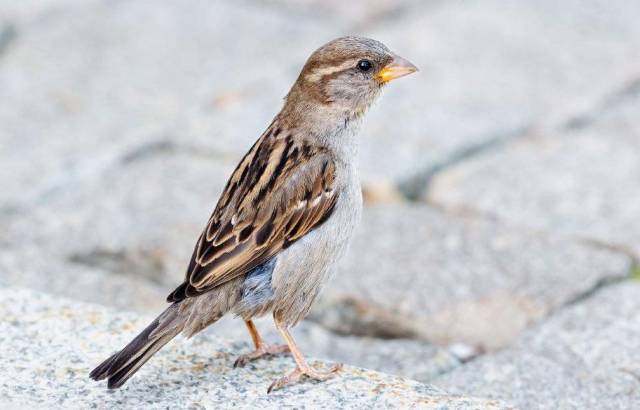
point(122, 365)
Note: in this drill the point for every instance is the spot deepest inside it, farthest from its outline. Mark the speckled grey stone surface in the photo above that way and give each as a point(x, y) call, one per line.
point(414, 359)
point(414, 271)
point(586, 357)
point(49, 345)
point(410, 358)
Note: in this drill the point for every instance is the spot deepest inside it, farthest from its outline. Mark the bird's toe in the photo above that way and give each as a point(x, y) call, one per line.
point(261, 352)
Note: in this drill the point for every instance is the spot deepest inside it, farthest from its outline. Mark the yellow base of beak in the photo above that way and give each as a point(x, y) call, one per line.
point(399, 67)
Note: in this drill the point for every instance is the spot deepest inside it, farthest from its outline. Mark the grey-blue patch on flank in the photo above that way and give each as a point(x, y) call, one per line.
point(256, 290)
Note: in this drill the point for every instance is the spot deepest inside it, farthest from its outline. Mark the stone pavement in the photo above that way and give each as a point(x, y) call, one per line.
point(419, 272)
point(581, 180)
point(498, 252)
point(52, 344)
point(586, 357)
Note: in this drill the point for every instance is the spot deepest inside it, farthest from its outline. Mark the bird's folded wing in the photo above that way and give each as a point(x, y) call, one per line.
point(280, 191)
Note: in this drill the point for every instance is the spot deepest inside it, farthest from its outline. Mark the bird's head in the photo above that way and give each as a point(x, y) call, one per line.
point(347, 75)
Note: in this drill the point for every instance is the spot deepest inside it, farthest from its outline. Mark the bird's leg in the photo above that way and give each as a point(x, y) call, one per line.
point(262, 349)
point(302, 368)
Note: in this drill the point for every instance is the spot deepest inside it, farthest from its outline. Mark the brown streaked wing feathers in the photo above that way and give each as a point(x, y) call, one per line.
point(281, 190)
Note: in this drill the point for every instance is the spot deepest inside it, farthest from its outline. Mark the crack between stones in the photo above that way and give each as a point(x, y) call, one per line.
point(603, 283)
point(613, 247)
point(634, 270)
point(151, 149)
point(587, 294)
point(415, 186)
point(142, 152)
point(611, 101)
point(8, 36)
point(137, 263)
point(634, 260)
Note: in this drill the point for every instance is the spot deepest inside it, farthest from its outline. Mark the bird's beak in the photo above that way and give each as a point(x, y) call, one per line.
point(398, 67)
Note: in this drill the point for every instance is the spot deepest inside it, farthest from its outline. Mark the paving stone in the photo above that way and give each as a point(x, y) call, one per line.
point(140, 223)
point(408, 358)
point(92, 84)
point(491, 70)
point(95, 84)
point(126, 243)
point(586, 357)
point(31, 267)
point(402, 357)
point(137, 226)
point(50, 345)
point(416, 272)
point(581, 182)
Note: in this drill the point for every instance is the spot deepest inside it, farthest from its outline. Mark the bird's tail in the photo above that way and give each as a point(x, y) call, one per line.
point(123, 364)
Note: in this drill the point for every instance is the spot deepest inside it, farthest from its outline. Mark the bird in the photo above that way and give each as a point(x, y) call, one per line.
point(284, 218)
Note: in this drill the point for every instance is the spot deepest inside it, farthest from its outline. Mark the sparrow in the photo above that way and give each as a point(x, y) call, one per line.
point(285, 217)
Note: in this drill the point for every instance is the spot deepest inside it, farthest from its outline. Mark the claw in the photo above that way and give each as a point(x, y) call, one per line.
point(298, 373)
point(262, 351)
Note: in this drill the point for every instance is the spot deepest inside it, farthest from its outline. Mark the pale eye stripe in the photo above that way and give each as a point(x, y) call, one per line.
point(317, 74)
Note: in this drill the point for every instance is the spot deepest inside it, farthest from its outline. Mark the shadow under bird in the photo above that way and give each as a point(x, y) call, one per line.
point(285, 216)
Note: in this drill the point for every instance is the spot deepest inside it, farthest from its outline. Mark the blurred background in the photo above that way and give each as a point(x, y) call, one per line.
point(501, 181)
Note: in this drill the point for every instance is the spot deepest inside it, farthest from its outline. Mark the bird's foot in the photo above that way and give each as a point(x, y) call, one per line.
point(308, 371)
point(262, 351)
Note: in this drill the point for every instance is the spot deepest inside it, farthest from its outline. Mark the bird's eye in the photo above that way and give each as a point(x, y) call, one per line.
point(364, 65)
